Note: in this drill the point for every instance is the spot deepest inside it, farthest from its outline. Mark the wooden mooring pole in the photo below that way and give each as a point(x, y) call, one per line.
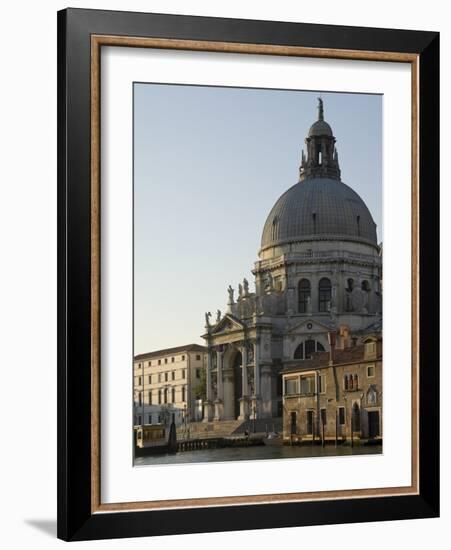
point(336, 428)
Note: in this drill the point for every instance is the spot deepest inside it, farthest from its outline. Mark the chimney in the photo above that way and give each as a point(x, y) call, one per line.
point(332, 337)
point(344, 336)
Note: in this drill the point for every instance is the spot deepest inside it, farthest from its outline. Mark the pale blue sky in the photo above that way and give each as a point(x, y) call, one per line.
point(209, 163)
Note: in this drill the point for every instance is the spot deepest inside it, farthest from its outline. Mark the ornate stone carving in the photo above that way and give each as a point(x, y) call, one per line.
point(250, 352)
point(207, 319)
point(240, 291)
point(245, 287)
point(358, 300)
point(268, 284)
point(231, 292)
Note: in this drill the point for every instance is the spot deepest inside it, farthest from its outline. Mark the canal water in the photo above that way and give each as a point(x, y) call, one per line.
point(257, 453)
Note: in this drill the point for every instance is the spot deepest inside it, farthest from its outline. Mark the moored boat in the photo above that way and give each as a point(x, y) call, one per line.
point(273, 439)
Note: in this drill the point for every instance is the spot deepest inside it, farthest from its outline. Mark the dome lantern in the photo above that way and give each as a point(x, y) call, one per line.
point(322, 158)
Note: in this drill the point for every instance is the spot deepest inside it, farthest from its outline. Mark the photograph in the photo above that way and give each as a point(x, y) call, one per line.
point(257, 273)
point(248, 273)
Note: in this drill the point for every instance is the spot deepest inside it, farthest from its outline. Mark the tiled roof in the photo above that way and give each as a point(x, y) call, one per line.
point(170, 351)
point(321, 359)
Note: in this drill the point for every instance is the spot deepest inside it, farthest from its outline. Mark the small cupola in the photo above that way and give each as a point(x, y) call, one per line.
point(321, 160)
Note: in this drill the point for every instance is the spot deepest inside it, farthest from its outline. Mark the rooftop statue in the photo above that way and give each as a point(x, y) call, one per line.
point(207, 318)
point(246, 286)
point(231, 291)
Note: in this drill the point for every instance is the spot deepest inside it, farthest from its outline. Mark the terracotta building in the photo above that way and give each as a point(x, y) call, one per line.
point(335, 395)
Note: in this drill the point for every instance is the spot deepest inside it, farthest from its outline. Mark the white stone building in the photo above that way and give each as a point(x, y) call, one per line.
point(319, 267)
point(165, 383)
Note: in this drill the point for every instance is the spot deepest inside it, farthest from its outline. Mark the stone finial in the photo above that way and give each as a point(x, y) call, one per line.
point(218, 316)
point(320, 109)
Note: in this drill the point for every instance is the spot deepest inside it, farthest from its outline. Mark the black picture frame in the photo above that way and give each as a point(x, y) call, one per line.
point(76, 521)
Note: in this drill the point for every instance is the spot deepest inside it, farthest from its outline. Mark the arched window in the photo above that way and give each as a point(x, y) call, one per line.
point(183, 393)
point(356, 381)
point(304, 295)
point(159, 397)
point(351, 382)
point(366, 286)
point(345, 382)
point(310, 347)
point(299, 352)
point(165, 394)
point(350, 285)
point(325, 294)
point(173, 395)
point(275, 227)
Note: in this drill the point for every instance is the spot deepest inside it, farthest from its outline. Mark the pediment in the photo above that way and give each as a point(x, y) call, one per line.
point(228, 324)
point(310, 325)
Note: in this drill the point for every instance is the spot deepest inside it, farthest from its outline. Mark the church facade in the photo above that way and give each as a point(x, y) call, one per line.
point(319, 268)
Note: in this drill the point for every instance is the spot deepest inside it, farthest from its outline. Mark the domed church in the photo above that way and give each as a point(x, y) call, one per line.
point(319, 268)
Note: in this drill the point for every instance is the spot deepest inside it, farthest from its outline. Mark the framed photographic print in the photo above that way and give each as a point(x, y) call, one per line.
point(248, 274)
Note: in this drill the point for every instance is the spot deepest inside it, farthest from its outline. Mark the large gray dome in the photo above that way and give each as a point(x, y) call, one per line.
point(319, 208)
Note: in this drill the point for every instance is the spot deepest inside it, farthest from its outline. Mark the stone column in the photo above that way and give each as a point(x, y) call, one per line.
point(219, 403)
point(291, 302)
point(244, 401)
point(256, 368)
point(314, 295)
point(334, 296)
point(208, 376)
point(256, 397)
point(266, 391)
point(208, 408)
point(229, 397)
point(220, 386)
point(244, 370)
